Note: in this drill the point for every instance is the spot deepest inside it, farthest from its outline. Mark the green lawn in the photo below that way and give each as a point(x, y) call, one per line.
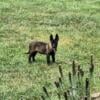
point(76, 21)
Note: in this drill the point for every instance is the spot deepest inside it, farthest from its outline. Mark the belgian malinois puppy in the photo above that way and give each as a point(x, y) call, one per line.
point(49, 49)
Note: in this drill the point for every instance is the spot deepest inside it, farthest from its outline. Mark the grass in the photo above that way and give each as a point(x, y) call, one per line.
point(76, 21)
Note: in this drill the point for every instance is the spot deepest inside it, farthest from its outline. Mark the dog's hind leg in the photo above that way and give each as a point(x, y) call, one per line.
point(33, 55)
point(29, 58)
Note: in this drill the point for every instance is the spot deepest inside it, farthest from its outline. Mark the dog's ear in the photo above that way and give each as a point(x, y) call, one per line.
point(57, 37)
point(51, 37)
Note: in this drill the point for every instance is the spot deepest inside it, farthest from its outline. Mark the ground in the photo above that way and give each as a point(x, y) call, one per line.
point(76, 21)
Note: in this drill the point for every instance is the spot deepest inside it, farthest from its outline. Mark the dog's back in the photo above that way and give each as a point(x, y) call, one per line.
point(40, 47)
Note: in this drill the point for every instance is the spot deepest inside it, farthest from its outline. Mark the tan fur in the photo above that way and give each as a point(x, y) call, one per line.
point(48, 48)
